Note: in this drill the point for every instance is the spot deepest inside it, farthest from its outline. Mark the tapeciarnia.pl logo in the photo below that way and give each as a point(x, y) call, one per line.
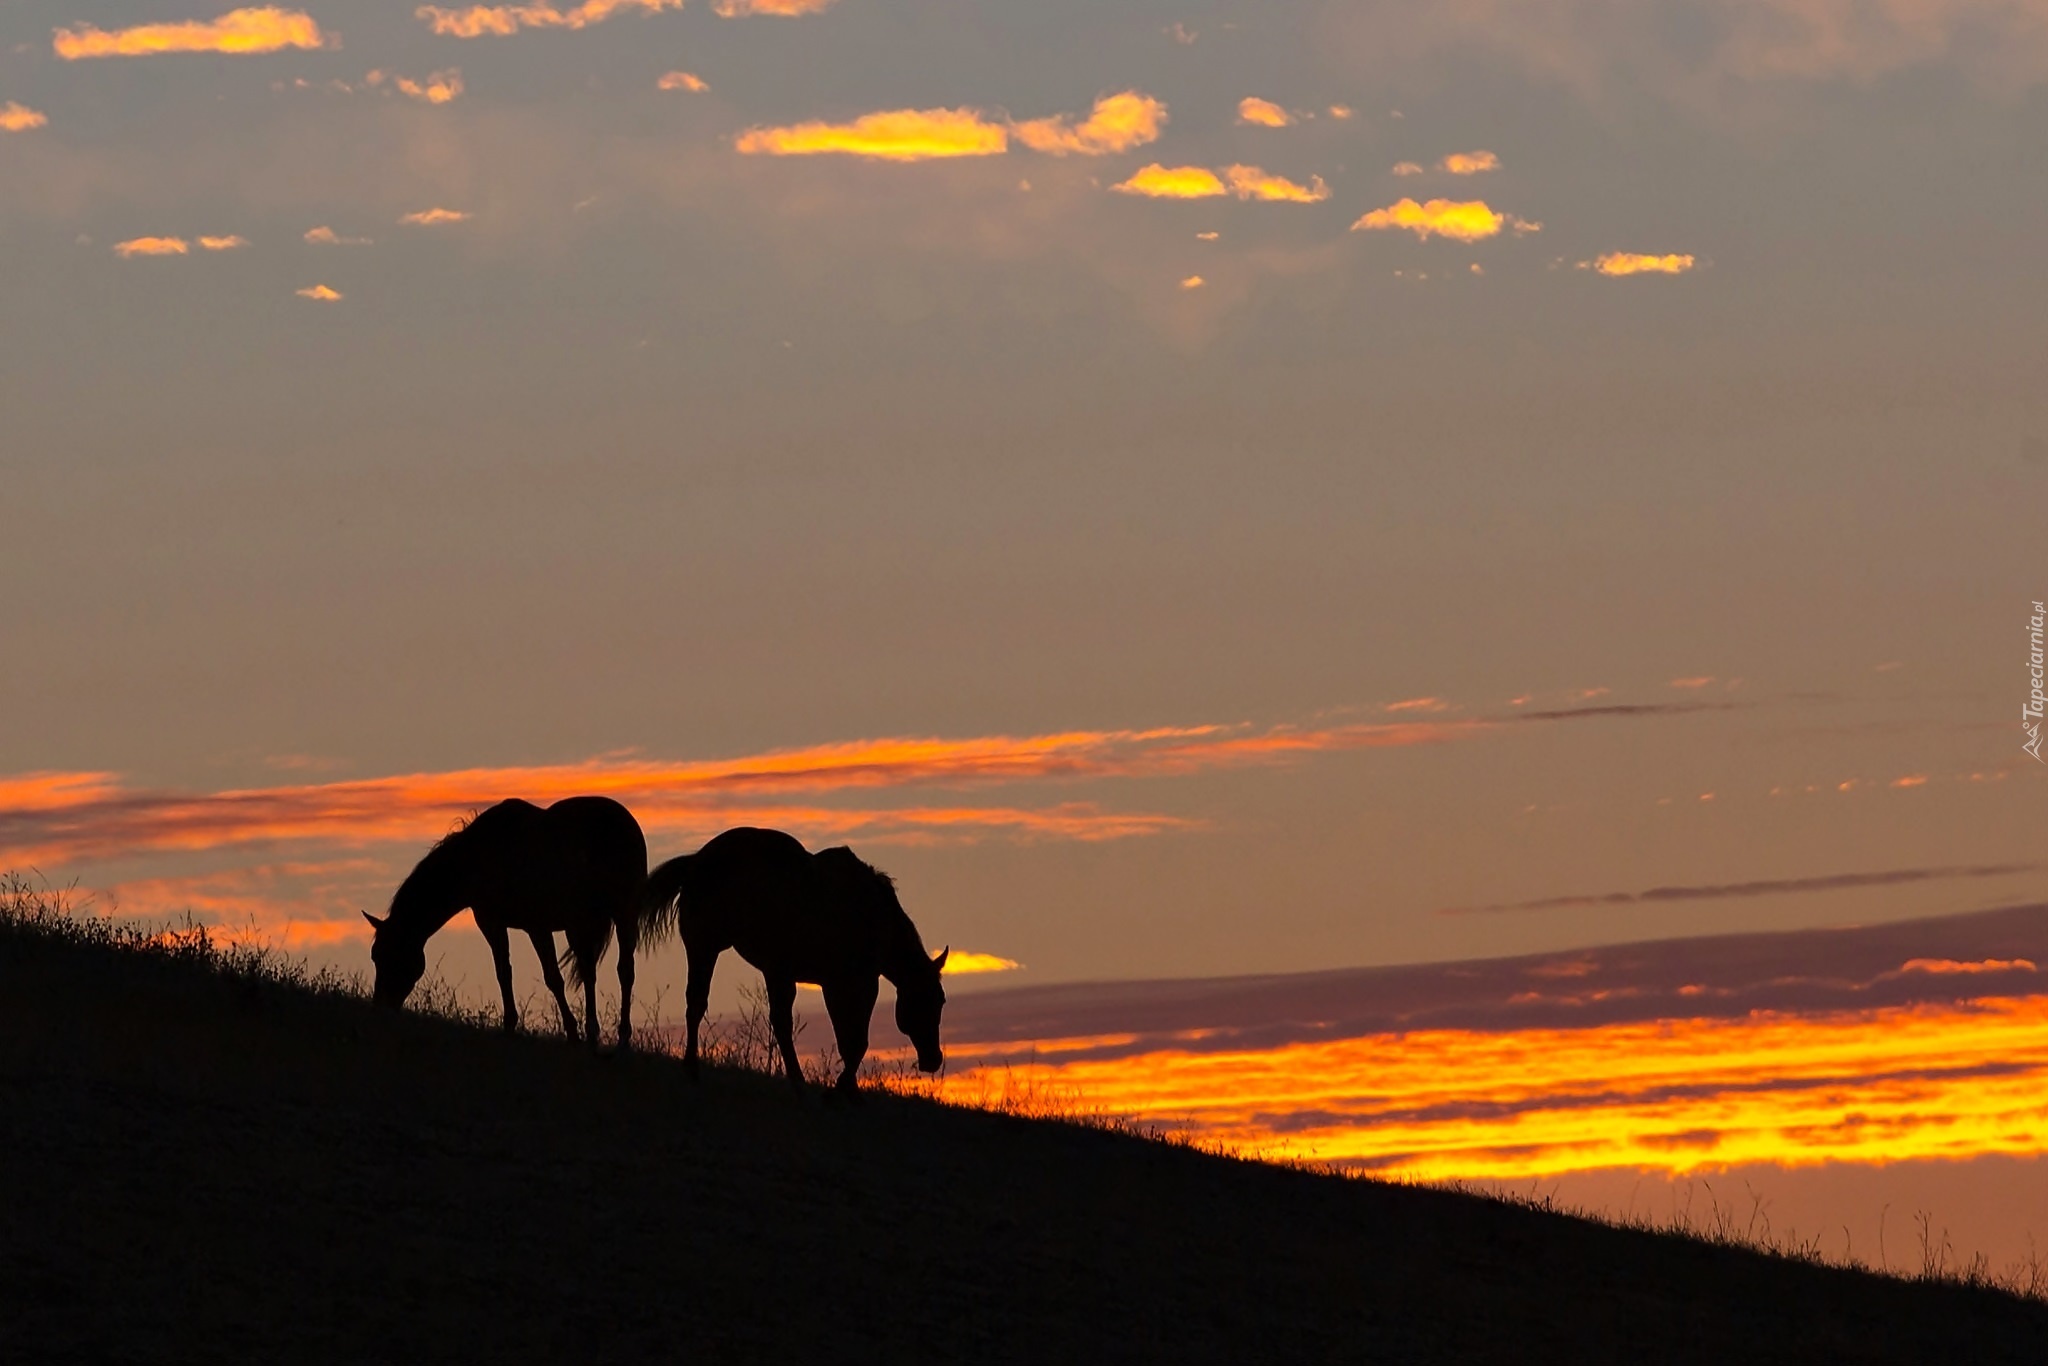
point(2030, 714)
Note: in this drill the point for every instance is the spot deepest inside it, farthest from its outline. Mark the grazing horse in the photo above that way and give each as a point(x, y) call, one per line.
point(826, 918)
point(576, 866)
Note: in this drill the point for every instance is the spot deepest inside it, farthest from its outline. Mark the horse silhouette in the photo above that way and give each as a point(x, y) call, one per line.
point(826, 918)
point(577, 866)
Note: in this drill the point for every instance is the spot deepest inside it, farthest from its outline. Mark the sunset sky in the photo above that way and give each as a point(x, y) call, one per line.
point(1194, 490)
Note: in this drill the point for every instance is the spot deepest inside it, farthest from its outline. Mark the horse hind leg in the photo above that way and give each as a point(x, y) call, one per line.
point(586, 949)
point(697, 999)
point(628, 941)
point(551, 973)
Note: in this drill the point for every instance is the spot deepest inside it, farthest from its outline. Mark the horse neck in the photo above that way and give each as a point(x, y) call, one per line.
point(900, 950)
point(432, 894)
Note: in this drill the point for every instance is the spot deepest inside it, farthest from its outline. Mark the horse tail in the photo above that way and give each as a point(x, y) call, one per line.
point(661, 900)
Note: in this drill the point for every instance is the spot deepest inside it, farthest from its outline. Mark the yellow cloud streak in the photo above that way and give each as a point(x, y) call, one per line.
point(1173, 182)
point(152, 246)
point(502, 21)
point(966, 960)
point(228, 243)
point(319, 294)
point(440, 87)
point(1470, 163)
point(1116, 124)
point(19, 118)
point(1263, 113)
point(682, 80)
point(327, 237)
point(1466, 221)
point(1948, 1081)
point(429, 217)
point(1636, 263)
point(1249, 182)
point(242, 31)
point(892, 135)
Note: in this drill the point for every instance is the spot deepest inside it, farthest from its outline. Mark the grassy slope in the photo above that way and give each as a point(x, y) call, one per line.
point(197, 1168)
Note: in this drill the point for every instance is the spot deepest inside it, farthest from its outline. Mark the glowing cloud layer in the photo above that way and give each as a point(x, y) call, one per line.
point(428, 218)
point(324, 236)
point(228, 243)
point(242, 31)
point(1636, 263)
point(152, 246)
point(893, 135)
point(1116, 124)
point(682, 80)
point(1461, 221)
point(319, 294)
point(1669, 1095)
point(19, 118)
point(1264, 113)
point(502, 21)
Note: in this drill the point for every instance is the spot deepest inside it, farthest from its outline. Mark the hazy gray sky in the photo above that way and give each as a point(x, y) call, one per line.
point(672, 448)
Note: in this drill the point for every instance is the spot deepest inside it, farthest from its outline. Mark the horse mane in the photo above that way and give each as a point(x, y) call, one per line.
point(874, 893)
point(438, 875)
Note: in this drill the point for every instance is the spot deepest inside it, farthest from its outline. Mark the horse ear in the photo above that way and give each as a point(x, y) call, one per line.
point(939, 960)
point(375, 923)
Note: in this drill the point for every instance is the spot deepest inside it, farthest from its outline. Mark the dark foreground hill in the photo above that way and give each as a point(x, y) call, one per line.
point(200, 1168)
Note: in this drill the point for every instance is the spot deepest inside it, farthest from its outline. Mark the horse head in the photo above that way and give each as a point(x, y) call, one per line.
point(400, 962)
point(919, 999)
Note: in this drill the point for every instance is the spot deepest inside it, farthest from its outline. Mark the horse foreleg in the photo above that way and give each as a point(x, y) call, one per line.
point(851, 1006)
point(782, 1019)
point(696, 999)
point(501, 958)
point(551, 973)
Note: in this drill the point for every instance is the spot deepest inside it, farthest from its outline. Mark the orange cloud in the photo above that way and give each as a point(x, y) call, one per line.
point(1341, 111)
point(966, 961)
point(1950, 967)
point(242, 31)
point(319, 294)
point(1264, 113)
point(787, 9)
point(1405, 168)
point(1249, 182)
point(1470, 163)
point(1700, 682)
point(1193, 282)
point(1466, 221)
point(228, 243)
point(1418, 704)
point(1635, 263)
point(893, 135)
point(430, 217)
point(327, 237)
point(1925, 1081)
point(19, 118)
point(151, 246)
point(1175, 182)
point(87, 815)
point(503, 21)
point(682, 80)
point(1116, 124)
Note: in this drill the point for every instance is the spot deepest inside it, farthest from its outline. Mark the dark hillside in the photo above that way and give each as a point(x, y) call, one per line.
point(199, 1168)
